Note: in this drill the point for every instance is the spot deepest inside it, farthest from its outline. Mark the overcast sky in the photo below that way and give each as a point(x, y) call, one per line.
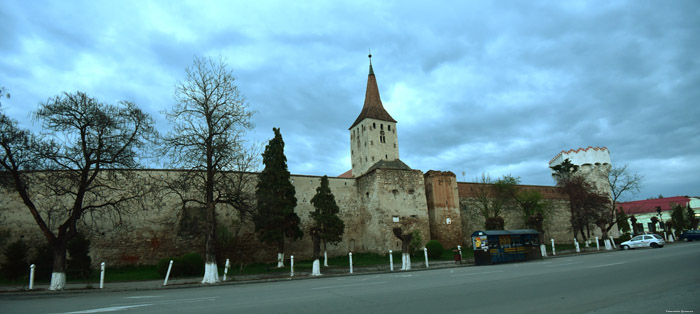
point(476, 87)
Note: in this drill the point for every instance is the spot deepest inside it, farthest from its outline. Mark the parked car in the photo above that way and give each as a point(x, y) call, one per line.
point(647, 240)
point(690, 235)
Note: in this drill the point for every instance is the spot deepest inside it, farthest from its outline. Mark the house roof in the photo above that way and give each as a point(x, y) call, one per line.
point(373, 107)
point(387, 164)
point(346, 174)
point(649, 206)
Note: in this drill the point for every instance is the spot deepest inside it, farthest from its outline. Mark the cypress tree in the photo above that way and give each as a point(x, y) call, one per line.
point(328, 227)
point(275, 219)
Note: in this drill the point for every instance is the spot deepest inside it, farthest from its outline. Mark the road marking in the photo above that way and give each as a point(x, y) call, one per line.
point(144, 297)
point(109, 309)
point(355, 285)
point(486, 272)
point(565, 264)
point(608, 265)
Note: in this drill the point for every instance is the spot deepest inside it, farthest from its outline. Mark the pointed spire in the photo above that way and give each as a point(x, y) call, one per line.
point(373, 107)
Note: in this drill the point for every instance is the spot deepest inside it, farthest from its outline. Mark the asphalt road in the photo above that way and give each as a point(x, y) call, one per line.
point(663, 280)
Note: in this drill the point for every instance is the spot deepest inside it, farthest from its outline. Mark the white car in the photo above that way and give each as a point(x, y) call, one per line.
point(647, 240)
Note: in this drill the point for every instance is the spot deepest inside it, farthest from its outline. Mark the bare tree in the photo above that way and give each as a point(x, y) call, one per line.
point(209, 119)
point(494, 197)
point(621, 183)
point(75, 169)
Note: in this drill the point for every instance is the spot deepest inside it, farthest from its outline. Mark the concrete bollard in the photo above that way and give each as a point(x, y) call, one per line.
point(350, 255)
point(597, 244)
point(325, 259)
point(554, 251)
point(31, 276)
point(425, 252)
point(291, 266)
point(102, 275)
point(226, 267)
point(578, 249)
point(167, 275)
point(459, 249)
point(391, 261)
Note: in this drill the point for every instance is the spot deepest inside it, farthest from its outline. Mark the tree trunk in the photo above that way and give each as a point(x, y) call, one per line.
point(211, 271)
point(280, 253)
point(316, 239)
point(325, 254)
point(58, 275)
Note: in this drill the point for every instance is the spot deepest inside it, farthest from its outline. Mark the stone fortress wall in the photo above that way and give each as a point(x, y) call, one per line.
point(381, 193)
point(434, 204)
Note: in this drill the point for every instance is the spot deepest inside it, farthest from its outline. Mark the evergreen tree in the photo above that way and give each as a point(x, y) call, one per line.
point(275, 219)
point(79, 261)
point(692, 221)
point(680, 222)
point(622, 222)
point(328, 227)
point(15, 266)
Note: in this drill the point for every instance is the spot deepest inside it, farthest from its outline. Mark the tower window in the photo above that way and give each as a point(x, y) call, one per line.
point(371, 142)
point(387, 156)
point(374, 125)
point(373, 158)
point(381, 126)
point(388, 127)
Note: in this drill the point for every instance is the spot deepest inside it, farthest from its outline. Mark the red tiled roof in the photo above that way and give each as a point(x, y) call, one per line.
point(373, 107)
point(649, 206)
point(346, 174)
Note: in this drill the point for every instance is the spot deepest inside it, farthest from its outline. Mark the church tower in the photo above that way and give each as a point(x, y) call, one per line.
point(373, 136)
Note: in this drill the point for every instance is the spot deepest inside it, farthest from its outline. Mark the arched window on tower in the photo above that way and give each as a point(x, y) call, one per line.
point(374, 125)
point(382, 138)
point(381, 126)
point(388, 127)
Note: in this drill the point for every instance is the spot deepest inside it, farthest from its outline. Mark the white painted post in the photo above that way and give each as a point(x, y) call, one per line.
point(543, 250)
point(391, 261)
point(665, 236)
point(31, 276)
point(350, 254)
point(459, 248)
point(608, 246)
point(325, 259)
point(597, 245)
point(102, 275)
point(226, 266)
point(554, 251)
point(425, 252)
point(578, 249)
point(291, 262)
point(167, 275)
point(612, 242)
point(671, 238)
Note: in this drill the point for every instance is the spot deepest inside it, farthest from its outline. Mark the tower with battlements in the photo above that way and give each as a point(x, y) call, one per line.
point(593, 164)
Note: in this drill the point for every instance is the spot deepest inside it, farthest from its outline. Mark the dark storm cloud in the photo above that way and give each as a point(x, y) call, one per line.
point(483, 87)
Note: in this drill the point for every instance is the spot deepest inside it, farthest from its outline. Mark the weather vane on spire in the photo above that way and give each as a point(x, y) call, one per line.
point(370, 56)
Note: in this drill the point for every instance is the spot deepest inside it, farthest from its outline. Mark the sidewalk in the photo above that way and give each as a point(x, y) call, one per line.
point(176, 283)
